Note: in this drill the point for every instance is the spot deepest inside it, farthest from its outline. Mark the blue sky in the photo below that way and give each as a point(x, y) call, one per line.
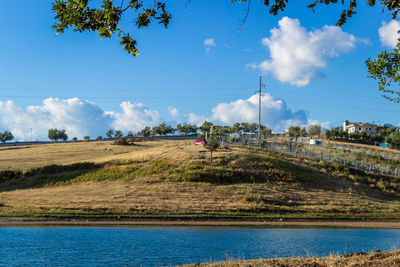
point(175, 69)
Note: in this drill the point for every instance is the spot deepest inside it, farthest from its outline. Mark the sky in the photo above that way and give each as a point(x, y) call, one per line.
point(205, 66)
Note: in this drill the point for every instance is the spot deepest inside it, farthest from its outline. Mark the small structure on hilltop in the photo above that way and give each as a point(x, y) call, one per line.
point(355, 127)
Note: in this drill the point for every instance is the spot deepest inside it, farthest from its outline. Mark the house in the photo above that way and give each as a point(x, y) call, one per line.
point(356, 127)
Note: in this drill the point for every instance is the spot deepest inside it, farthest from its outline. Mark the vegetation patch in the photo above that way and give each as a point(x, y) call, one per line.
point(244, 168)
point(123, 142)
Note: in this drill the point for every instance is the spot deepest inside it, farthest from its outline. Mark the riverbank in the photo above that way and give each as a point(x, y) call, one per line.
point(209, 223)
point(372, 259)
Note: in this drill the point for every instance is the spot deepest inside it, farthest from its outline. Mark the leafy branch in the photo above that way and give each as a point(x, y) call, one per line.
point(105, 20)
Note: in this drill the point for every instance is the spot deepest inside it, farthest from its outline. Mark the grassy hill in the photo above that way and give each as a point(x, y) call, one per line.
point(174, 179)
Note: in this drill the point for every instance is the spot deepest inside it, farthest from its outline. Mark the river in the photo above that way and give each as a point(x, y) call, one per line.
point(149, 246)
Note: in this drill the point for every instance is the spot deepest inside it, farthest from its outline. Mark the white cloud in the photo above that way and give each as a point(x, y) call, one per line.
point(196, 119)
point(80, 118)
point(134, 117)
point(274, 113)
point(173, 112)
point(296, 54)
point(77, 117)
point(209, 42)
point(323, 124)
point(388, 33)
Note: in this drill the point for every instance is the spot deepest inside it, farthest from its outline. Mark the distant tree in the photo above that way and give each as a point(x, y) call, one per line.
point(74, 139)
point(99, 138)
point(294, 131)
point(53, 134)
point(303, 132)
point(265, 130)
point(206, 127)
point(186, 128)
point(394, 139)
point(356, 136)
point(162, 129)
point(118, 134)
point(56, 135)
point(223, 130)
point(110, 133)
point(146, 132)
point(253, 127)
point(86, 138)
point(6, 136)
point(130, 134)
point(245, 127)
point(212, 144)
point(192, 129)
point(314, 130)
point(337, 133)
point(181, 128)
point(237, 128)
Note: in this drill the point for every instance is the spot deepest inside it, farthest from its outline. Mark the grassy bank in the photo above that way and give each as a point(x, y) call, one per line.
point(376, 259)
point(174, 179)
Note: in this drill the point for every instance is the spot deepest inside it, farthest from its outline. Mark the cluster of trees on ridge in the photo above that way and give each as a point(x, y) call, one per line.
point(163, 129)
point(390, 135)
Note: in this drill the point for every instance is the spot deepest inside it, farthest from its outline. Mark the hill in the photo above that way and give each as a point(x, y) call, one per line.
point(175, 179)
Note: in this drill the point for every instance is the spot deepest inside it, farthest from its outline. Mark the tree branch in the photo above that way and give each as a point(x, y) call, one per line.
point(245, 17)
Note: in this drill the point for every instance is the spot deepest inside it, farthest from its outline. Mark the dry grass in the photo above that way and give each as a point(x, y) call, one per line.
point(373, 259)
point(26, 157)
point(155, 188)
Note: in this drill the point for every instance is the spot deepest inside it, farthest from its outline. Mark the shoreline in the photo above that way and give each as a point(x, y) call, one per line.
point(21, 222)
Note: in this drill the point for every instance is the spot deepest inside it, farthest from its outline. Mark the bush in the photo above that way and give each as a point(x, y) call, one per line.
point(123, 142)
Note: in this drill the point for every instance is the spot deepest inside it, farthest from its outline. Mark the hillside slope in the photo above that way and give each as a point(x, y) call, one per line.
point(175, 179)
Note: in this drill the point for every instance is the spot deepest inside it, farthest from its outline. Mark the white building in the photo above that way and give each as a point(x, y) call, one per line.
point(355, 127)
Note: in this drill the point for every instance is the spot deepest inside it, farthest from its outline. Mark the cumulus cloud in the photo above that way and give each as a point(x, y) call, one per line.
point(78, 117)
point(274, 113)
point(296, 55)
point(134, 117)
point(173, 112)
point(388, 33)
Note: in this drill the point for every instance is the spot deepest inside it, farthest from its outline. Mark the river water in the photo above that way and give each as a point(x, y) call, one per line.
point(116, 246)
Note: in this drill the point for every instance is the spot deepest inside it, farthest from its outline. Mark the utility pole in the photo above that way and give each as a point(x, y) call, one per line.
point(259, 108)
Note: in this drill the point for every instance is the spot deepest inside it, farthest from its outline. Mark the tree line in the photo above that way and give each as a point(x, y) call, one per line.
point(164, 129)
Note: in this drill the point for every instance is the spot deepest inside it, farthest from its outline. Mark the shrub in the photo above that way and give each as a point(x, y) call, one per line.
point(123, 142)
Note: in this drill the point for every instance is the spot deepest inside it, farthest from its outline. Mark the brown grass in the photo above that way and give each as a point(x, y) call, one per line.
point(26, 157)
point(372, 259)
point(317, 195)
